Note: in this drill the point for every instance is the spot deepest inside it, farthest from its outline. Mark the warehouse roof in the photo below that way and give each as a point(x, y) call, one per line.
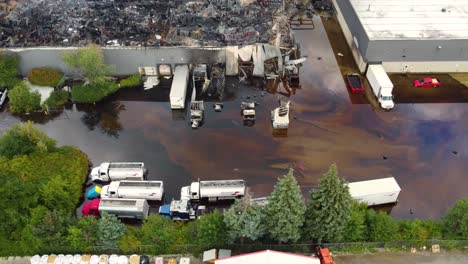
point(413, 19)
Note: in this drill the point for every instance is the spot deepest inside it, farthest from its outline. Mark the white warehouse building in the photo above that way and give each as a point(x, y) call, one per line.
point(406, 35)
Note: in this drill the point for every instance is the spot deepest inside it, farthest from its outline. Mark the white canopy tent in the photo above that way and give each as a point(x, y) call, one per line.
point(268, 257)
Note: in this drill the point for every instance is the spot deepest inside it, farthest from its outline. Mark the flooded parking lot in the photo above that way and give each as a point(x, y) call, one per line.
point(424, 146)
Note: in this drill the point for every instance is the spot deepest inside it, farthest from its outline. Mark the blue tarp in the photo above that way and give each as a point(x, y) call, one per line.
point(94, 192)
point(165, 210)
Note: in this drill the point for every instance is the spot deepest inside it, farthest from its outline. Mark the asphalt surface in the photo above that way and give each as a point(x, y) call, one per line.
point(406, 258)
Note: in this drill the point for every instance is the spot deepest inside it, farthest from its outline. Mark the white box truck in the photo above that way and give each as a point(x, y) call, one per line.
point(381, 85)
point(179, 87)
point(148, 190)
point(375, 192)
point(118, 171)
point(122, 208)
point(214, 190)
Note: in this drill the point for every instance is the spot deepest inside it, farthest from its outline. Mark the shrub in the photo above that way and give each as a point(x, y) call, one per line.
point(23, 139)
point(380, 227)
point(132, 81)
point(93, 92)
point(455, 221)
point(8, 70)
point(45, 76)
point(22, 100)
point(56, 98)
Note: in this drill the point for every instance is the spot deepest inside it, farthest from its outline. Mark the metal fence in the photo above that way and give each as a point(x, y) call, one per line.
point(197, 250)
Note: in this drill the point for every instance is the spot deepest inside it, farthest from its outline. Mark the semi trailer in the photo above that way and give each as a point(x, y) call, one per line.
point(214, 190)
point(148, 190)
point(375, 192)
point(179, 87)
point(122, 208)
point(118, 171)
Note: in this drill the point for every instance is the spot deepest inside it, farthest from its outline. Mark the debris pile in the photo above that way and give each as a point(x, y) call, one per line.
point(26, 23)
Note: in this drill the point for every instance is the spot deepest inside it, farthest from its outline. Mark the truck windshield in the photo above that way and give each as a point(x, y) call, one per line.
point(387, 98)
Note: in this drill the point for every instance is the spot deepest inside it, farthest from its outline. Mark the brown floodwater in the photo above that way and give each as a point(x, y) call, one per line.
point(424, 146)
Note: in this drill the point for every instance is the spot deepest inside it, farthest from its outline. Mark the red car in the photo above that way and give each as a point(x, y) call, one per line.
point(426, 82)
point(91, 208)
point(355, 83)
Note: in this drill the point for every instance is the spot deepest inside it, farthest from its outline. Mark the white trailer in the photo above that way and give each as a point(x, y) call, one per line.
point(148, 190)
point(381, 85)
point(125, 208)
point(118, 171)
point(280, 116)
point(179, 87)
point(214, 190)
point(375, 192)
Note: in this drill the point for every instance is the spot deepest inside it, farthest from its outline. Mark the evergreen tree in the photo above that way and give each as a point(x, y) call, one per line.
point(285, 210)
point(244, 220)
point(329, 208)
point(110, 230)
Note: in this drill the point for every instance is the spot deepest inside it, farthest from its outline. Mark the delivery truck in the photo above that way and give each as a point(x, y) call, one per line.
point(148, 190)
point(214, 190)
point(381, 85)
point(375, 192)
point(179, 87)
point(122, 208)
point(118, 171)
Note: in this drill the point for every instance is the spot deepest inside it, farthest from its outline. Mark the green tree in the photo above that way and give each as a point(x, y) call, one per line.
point(16, 200)
point(88, 63)
point(22, 100)
point(23, 139)
point(8, 70)
point(50, 227)
point(83, 235)
point(329, 209)
point(356, 228)
point(244, 220)
point(161, 233)
point(110, 230)
point(380, 227)
point(211, 230)
point(455, 221)
point(130, 242)
point(284, 213)
point(58, 194)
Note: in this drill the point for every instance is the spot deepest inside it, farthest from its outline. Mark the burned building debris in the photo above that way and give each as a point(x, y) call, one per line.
point(147, 23)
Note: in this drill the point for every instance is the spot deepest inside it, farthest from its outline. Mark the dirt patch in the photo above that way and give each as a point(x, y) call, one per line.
point(451, 91)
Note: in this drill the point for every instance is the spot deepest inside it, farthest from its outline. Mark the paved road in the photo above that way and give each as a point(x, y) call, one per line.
point(406, 258)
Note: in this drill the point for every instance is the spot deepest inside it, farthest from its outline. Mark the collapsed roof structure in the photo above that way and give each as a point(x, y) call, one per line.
point(30, 23)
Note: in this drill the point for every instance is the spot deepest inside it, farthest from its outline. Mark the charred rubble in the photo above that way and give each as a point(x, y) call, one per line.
point(29, 23)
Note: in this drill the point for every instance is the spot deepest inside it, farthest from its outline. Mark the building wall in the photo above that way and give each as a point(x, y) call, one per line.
point(417, 50)
point(360, 61)
point(425, 66)
point(354, 26)
point(126, 59)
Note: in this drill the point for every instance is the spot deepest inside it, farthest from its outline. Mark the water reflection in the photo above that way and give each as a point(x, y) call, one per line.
point(104, 117)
